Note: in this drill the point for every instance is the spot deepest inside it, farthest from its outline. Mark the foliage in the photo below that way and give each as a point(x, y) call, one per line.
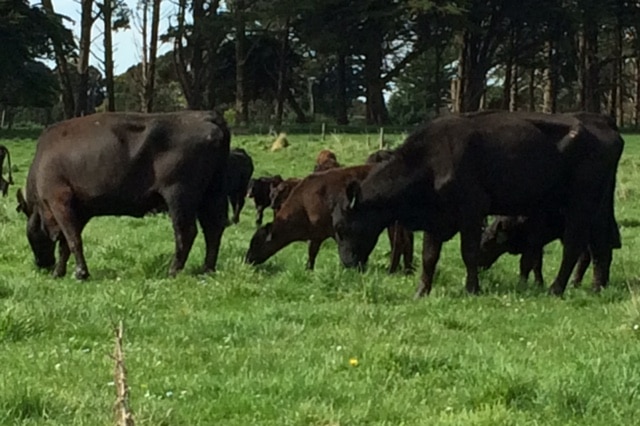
point(273, 345)
point(25, 32)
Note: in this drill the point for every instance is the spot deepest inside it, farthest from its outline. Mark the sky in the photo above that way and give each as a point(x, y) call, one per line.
point(126, 43)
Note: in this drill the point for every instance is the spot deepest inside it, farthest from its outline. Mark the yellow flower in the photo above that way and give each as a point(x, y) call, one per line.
point(353, 362)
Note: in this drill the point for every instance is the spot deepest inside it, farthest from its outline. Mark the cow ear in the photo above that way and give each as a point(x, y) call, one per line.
point(354, 194)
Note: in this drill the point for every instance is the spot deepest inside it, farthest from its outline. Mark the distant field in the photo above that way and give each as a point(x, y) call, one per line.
point(272, 345)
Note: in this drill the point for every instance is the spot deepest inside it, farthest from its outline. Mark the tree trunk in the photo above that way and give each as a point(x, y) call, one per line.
point(341, 87)
point(107, 12)
point(513, 105)
point(532, 89)
point(437, 78)
point(590, 74)
point(62, 68)
point(144, 64)
point(506, 88)
point(619, 87)
point(191, 70)
point(376, 108)
point(550, 80)
point(282, 89)
point(242, 110)
point(152, 58)
point(300, 116)
point(86, 22)
point(473, 74)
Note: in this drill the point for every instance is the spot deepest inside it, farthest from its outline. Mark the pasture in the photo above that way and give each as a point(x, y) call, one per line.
point(278, 345)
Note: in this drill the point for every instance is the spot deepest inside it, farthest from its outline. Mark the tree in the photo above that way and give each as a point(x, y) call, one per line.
point(115, 14)
point(149, 52)
point(26, 33)
point(86, 23)
point(61, 43)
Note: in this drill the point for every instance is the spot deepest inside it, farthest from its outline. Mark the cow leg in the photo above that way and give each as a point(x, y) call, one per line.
point(431, 248)
point(531, 260)
point(394, 242)
point(182, 213)
point(602, 257)
point(71, 228)
point(60, 269)
point(574, 242)
point(537, 267)
point(238, 205)
point(212, 216)
point(314, 247)
point(408, 250)
point(581, 268)
point(470, 248)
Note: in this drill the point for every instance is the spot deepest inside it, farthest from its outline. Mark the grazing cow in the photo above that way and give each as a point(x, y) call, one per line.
point(454, 171)
point(260, 190)
point(305, 215)
point(127, 164)
point(527, 237)
point(326, 160)
point(281, 191)
point(400, 238)
point(239, 171)
point(4, 184)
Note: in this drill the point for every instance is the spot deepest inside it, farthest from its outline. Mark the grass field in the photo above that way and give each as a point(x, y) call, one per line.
point(275, 345)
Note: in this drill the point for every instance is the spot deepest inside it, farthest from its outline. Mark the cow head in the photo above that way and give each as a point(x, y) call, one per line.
point(494, 242)
point(42, 245)
point(280, 191)
point(262, 246)
point(356, 227)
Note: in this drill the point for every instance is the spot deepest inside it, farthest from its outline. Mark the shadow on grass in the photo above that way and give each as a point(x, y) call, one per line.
point(26, 406)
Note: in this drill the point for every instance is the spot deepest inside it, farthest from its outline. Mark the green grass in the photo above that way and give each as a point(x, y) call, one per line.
point(271, 345)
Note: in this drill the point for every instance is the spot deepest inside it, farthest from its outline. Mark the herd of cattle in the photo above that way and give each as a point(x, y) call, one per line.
point(544, 177)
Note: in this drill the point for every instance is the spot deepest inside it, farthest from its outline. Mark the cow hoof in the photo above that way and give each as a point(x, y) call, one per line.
point(556, 290)
point(81, 274)
point(58, 273)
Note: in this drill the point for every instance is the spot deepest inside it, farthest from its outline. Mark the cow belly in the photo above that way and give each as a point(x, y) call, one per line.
point(119, 205)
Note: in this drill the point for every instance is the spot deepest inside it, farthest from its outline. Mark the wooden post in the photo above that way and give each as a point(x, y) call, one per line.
point(123, 413)
point(381, 137)
point(323, 130)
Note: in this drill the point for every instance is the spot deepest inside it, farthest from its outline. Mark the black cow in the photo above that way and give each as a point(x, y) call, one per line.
point(454, 171)
point(127, 164)
point(527, 236)
point(239, 171)
point(4, 184)
point(260, 191)
point(400, 238)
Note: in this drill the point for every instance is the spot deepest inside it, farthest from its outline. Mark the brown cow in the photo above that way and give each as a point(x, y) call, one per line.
point(305, 215)
point(280, 191)
point(4, 184)
point(400, 238)
point(127, 164)
point(326, 160)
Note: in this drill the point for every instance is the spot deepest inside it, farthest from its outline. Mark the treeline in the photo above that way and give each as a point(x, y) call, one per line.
point(371, 61)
